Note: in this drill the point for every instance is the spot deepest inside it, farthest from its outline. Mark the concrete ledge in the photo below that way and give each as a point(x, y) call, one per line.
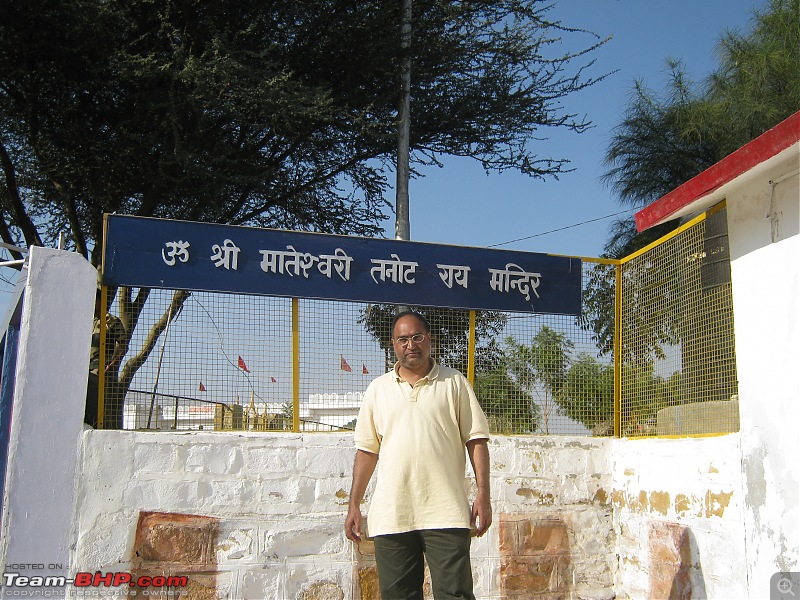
point(717, 416)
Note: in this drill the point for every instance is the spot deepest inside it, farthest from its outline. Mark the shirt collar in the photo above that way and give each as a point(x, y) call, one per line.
point(432, 374)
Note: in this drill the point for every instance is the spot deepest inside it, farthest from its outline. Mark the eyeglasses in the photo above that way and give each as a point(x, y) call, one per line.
point(417, 338)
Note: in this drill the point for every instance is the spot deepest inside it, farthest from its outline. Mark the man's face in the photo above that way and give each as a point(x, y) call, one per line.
point(413, 355)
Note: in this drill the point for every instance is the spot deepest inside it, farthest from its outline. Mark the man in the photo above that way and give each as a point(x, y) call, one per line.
point(418, 419)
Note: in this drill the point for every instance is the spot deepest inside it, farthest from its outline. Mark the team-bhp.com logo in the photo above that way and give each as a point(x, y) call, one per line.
point(99, 579)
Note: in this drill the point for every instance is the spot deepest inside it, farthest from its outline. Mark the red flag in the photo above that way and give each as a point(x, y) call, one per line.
point(274, 380)
point(364, 369)
point(344, 366)
point(202, 387)
point(243, 366)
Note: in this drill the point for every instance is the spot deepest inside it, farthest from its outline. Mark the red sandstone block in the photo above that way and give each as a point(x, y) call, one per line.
point(175, 538)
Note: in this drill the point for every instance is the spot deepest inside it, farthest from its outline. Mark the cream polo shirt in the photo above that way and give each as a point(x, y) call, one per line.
point(420, 434)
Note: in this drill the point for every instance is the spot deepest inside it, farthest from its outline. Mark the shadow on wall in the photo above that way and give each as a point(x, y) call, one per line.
point(675, 569)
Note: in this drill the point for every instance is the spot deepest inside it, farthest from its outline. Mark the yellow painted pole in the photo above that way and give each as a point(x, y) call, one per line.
point(101, 372)
point(618, 351)
point(471, 349)
point(101, 382)
point(295, 365)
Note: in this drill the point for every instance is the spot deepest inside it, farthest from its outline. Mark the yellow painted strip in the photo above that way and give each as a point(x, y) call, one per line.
point(669, 236)
point(295, 365)
point(101, 373)
point(471, 350)
point(717, 207)
point(601, 261)
point(678, 437)
point(618, 350)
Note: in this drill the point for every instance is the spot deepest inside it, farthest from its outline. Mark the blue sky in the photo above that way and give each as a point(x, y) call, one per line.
point(459, 204)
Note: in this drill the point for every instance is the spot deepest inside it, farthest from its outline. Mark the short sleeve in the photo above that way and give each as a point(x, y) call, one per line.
point(366, 434)
point(472, 420)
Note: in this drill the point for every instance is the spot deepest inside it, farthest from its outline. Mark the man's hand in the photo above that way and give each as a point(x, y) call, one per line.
point(352, 524)
point(481, 514)
point(481, 519)
point(363, 467)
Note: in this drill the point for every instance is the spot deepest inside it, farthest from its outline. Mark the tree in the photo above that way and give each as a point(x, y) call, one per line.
point(646, 393)
point(509, 407)
point(499, 395)
point(588, 395)
point(664, 141)
point(450, 334)
point(270, 115)
point(275, 114)
point(541, 368)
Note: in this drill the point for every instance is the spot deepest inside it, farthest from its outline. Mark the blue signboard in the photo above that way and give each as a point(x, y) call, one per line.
point(159, 253)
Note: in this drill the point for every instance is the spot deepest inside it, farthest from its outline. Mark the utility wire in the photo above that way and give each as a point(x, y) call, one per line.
point(622, 212)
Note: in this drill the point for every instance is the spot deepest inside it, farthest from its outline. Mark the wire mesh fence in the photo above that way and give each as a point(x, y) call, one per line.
point(212, 361)
point(676, 346)
point(543, 374)
point(216, 361)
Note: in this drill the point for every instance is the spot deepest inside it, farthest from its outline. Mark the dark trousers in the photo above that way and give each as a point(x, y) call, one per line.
point(401, 567)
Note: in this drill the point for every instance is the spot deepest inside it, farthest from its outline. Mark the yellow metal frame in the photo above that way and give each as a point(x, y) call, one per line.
point(618, 318)
point(675, 233)
point(295, 365)
point(472, 334)
point(471, 349)
point(618, 349)
point(101, 371)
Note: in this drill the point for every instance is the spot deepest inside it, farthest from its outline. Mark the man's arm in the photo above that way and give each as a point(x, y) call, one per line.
point(363, 468)
point(478, 451)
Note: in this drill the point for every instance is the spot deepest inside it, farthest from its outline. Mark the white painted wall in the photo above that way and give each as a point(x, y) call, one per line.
point(281, 499)
point(766, 297)
point(47, 417)
point(693, 485)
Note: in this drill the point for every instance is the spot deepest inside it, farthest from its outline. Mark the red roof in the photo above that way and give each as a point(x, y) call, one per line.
point(768, 144)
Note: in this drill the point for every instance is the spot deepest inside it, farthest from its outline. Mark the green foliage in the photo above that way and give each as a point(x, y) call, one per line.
point(666, 139)
point(509, 408)
point(588, 395)
point(273, 114)
point(548, 380)
point(277, 114)
point(541, 368)
point(597, 310)
point(644, 395)
point(758, 82)
point(663, 141)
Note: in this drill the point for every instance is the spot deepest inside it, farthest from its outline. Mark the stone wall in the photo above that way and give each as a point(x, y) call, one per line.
point(260, 516)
